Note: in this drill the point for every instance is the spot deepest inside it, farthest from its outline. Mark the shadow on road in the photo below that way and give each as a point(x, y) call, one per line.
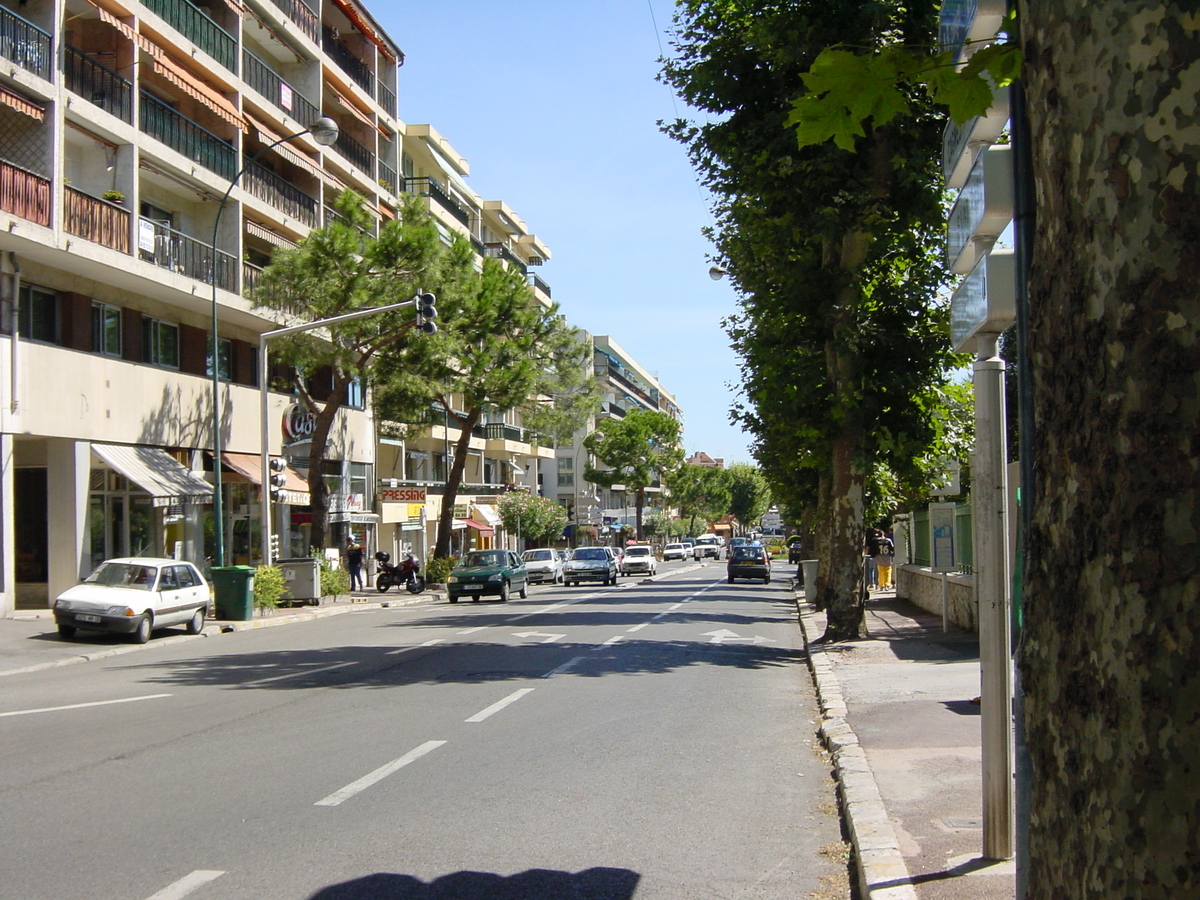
point(535, 884)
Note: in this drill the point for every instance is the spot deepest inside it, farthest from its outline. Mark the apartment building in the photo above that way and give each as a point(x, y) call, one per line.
point(624, 385)
point(152, 157)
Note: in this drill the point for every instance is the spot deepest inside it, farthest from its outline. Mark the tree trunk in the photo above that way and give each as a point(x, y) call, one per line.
point(641, 500)
point(1110, 662)
point(318, 490)
point(446, 518)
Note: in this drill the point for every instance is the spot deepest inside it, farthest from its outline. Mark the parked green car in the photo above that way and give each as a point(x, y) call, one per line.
point(482, 572)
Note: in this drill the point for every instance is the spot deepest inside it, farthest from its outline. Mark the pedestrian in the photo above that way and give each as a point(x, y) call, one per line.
point(354, 560)
point(869, 547)
point(884, 553)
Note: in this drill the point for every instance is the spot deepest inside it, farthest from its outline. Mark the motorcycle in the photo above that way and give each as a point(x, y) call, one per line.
point(407, 573)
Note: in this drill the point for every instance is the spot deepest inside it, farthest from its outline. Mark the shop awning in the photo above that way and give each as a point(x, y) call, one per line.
point(485, 512)
point(155, 472)
point(481, 527)
point(249, 465)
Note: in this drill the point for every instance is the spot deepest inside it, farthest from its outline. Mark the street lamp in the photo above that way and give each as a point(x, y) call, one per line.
point(324, 131)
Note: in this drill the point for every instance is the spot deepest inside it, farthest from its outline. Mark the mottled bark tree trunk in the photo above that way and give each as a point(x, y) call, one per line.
point(1110, 662)
point(318, 490)
point(461, 450)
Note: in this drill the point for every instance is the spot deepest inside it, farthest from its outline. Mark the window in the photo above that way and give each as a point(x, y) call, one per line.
point(356, 396)
point(566, 479)
point(224, 358)
point(39, 314)
point(106, 329)
point(160, 343)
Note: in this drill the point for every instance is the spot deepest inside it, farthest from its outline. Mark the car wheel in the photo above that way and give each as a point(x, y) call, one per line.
point(66, 632)
point(525, 591)
point(731, 579)
point(195, 625)
point(504, 592)
point(453, 599)
point(144, 628)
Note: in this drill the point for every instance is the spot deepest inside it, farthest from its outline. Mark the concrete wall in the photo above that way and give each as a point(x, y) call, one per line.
point(924, 588)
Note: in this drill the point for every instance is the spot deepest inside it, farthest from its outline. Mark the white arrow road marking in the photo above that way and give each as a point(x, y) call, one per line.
point(187, 884)
point(499, 705)
point(472, 630)
point(563, 668)
point(415, 646)
point(720, 637)
point(46, 709)
point(259, 681)
point(379, 774)
point(538, 634)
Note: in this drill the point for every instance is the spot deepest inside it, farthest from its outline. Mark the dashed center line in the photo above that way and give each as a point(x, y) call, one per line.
point(46, 709)
point(499, 705)
point(612, 640)
point(259, 681)
point(338, 797)
point(187, 884)
point(636, 628)
point(415, 646)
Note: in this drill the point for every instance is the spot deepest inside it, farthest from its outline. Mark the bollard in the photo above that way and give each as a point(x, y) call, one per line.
point(810, 579)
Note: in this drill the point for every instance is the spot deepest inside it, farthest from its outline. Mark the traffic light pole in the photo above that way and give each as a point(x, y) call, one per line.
point(427, 313)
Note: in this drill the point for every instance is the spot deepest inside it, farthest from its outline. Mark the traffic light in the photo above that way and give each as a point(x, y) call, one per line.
point(278, 479)
point(275, 546)
point(426, 313)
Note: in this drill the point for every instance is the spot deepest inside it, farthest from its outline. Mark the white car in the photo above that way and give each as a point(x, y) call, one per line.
point(676, 551)
point(640, 559)
point(543, 565)
point(707, 546)
point(135, 596)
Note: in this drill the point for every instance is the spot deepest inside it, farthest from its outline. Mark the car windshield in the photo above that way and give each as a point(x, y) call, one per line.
point(674, 546)
point(530, 555)
point(747, 553)
point(484, 558)
point(124, 575)
point(638, 551)
point(591, 553)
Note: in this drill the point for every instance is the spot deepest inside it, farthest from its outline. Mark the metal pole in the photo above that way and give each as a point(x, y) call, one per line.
point(989, 498)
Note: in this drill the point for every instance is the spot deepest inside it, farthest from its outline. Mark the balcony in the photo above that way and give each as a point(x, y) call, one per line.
point(358, 155)
point(98, 84)
point(95, 220)
point(263, 79)
point(537, 282)
point(185, 255)
point(387, 99)
point(303, 17)
point(428, 187)
point(250, 275)
point(270, 188)
point(500, 251)
point(387, 177)
point(358, 70)
point(25, 44)
point(183, 135)
point(24, 194)
point(194, 24)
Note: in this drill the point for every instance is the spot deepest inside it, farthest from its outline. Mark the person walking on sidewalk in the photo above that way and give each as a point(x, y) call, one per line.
point(869, 548)
point(354, 560)
point(884, 552)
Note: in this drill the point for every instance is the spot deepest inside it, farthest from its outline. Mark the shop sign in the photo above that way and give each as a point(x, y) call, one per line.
point(299, 423)
point(460, 510)
point(402, 495)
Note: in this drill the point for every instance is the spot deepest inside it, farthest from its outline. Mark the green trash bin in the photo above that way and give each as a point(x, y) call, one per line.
point(233, 587)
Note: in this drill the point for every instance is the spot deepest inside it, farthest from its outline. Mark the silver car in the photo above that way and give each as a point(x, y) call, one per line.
point(543, 565)
point(591, 564)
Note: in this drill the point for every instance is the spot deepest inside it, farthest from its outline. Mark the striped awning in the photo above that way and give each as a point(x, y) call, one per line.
point(359, 21)
point(21, 105)
point(110, 18)
point(271, 237)
point(168, 482)
point(199, 91)
point(351, 107)
point(291, 154)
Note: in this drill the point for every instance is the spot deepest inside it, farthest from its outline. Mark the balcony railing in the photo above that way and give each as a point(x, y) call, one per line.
point(99, 84)
point(197, 27)
point(428, 187)
point(500, 251)
point(263, 79)
point(387, 99)
point(349, 63)
point(184, 254)
point(25, 44)
point(500, 431)
point(250, 273)
point(182, 134)
point(24, 194)
point(285, 197)
point(358, 155)
point(387, 178)
point(300, 13)
point(96, 220)
point(539, 284)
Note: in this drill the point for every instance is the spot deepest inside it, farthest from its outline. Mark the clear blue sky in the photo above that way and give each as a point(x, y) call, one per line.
point(554, 104)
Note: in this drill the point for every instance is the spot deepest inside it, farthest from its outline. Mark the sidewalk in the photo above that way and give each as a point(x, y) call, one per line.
point(897, 714)
point(29, 641)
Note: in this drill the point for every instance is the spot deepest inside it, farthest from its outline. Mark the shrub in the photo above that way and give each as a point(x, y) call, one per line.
point(334, 581)
point(269, 586)
point(438, 569)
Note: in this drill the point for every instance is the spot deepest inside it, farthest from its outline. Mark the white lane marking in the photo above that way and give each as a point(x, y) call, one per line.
point(187, 884)
point(415, 646)
point(499, 705)
point(676, 606)
point(563, 668)
point(379, 774)
point(636, 628)
point(719, 637)
point(46, 709)
point(661, 614)
point(612, 640)
point(472, 630)
point(340, 665)
point(548, 638)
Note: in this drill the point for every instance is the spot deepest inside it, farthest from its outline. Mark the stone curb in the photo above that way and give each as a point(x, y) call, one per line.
point(882, 872)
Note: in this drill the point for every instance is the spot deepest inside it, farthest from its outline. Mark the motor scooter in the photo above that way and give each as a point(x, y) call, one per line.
point(408, 573)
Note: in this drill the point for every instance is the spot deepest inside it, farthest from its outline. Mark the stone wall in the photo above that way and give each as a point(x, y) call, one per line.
point(919, 585)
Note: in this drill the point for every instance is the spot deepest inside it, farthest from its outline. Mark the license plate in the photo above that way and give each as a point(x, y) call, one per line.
point(472, 587)
point(83, 618)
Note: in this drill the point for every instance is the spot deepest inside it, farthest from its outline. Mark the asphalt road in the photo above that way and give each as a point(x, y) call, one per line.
point(653, 740)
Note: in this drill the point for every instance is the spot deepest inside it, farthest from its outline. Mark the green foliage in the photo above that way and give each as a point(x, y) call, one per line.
point(700, 493)
point(634, 450)
point(438, 569)
point(334, 581)
point(535, 518)
point(269, 586)
point(750, 496)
